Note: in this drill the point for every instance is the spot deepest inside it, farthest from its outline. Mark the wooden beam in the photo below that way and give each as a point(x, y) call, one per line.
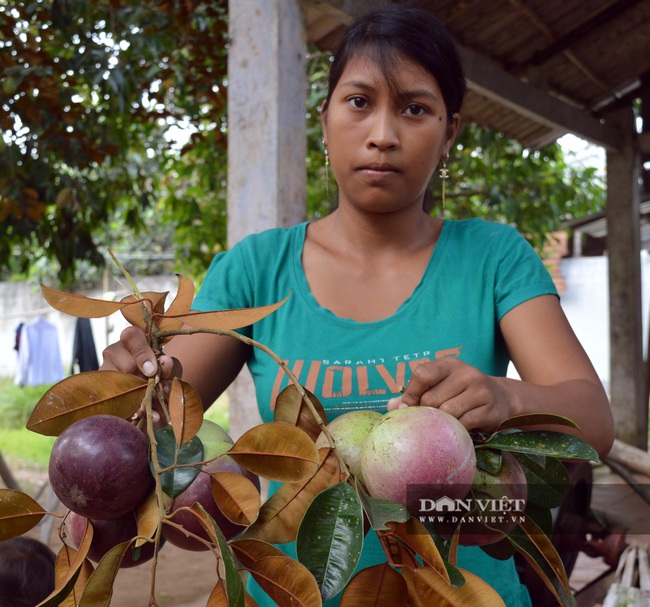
point(487, 79)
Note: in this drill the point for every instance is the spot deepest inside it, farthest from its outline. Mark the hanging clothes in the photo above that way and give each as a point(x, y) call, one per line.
point(84, 353)
point(39, 354)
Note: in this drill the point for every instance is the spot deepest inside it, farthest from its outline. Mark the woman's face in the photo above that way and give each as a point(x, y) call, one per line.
point(385, 141)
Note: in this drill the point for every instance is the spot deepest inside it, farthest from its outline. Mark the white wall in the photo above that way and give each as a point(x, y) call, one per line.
point(586, 304)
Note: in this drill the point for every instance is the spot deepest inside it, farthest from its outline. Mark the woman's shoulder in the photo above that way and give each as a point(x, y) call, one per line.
point(271, 237)
point(478, 233)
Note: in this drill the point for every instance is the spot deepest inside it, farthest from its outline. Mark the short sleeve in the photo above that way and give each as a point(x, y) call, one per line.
point(520, 273)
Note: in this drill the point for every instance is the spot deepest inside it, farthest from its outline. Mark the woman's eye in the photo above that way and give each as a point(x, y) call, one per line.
point(358, 102)
point(415, 110)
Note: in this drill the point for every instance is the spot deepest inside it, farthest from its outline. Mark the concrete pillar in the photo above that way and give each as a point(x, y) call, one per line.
point(267, 136)
point(623, 248)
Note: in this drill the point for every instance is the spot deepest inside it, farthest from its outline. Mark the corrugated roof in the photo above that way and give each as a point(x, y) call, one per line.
point(588, 56)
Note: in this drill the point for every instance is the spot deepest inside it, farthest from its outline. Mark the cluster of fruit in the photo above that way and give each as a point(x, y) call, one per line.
point(418, 456)
point(101, 470)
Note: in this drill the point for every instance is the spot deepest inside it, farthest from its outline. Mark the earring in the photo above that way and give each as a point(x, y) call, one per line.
point(444, 175)
point(327, 169)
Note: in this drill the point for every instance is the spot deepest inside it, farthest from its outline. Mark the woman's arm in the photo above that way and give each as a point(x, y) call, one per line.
point(556, 377)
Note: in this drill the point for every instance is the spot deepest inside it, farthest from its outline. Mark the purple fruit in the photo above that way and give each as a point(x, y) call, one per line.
point(99, 467)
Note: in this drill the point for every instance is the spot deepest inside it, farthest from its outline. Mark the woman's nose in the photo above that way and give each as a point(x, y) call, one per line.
point(383, 133)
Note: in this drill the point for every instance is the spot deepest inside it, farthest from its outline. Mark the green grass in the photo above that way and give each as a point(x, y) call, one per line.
point(24, 447)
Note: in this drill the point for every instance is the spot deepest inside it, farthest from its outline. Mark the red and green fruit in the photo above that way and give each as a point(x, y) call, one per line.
point(348, 432)
point(200, 491)
point(109, 533)
point(99, 467)
point(418, 453)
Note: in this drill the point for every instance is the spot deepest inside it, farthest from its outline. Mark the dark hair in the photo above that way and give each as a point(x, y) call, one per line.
point(387, 33)
point(26, 572)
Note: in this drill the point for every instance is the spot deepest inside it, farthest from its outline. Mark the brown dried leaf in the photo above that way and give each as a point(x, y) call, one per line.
point(80, 305)
point(18, 513)
point(67, 576)
point(99, 589)
point(237, 497)
point(399, 555)
point(414, 534)
point(291, 408)
point(280, 516)
point(218, 597)
point(147, 516)
point(277, 451)
point(428, 587)
point(286, 581)
point(85, 394)
point(185, 411)
point(227, 319)
point(64, 561)
point(140, 316)
point(248, 551)
point(379, 586)
point(181, 305)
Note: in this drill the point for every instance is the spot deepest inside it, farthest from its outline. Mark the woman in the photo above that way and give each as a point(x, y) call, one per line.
point(384, 295)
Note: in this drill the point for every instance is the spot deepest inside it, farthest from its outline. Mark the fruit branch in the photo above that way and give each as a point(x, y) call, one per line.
point(260, 346)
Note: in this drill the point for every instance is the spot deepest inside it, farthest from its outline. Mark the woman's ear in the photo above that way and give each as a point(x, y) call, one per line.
point(452, 131)
point(323, 119)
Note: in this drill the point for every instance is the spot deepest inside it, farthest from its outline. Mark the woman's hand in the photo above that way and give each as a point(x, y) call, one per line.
point(477, 400)
point(133, 354)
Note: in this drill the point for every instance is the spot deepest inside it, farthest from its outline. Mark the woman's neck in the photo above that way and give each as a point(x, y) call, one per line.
point(381, 233)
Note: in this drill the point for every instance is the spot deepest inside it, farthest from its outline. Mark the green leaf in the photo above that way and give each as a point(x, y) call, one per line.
point(488, 460)
point(176, 480)
point(330, 538)
point(381, 511)
point(548, 482)
point(537, 419)
point(543, 442)
point(232, 580)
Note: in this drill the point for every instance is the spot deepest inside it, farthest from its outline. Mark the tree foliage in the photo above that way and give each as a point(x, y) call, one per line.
point(94, 94)
point(115, 136)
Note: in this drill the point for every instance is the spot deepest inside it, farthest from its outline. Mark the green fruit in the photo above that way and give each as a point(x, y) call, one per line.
point(216, 441)
point(349, 431)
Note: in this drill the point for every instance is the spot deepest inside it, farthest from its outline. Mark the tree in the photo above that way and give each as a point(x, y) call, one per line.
point(114, 116)
point(92, 95)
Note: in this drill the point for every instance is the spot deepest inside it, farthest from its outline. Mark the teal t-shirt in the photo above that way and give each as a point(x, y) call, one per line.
point(477, 273)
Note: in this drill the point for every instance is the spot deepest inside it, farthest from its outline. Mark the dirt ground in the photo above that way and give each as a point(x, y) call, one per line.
point(183, 578)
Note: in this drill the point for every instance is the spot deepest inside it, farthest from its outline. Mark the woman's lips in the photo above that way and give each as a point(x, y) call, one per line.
point(378, 171)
